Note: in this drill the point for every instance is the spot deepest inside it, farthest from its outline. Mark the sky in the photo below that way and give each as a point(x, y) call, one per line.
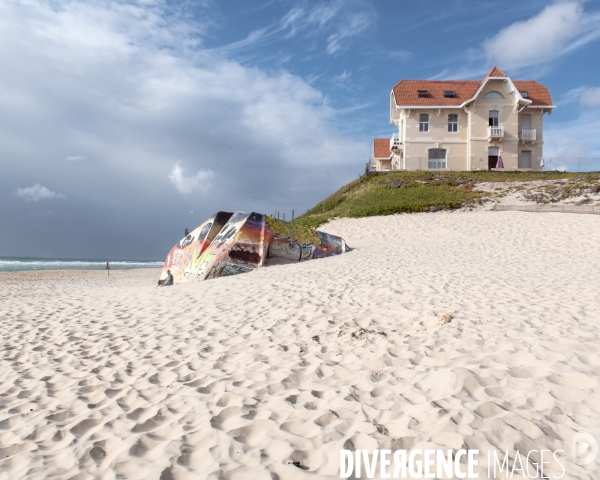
point(121, 118)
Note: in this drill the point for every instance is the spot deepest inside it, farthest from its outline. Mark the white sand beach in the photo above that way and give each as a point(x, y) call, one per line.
point(241, 377)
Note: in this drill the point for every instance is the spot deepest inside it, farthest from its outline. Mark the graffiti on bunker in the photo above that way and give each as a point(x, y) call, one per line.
point(233, 243)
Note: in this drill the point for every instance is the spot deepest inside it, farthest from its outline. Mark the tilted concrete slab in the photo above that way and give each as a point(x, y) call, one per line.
point(232, 243)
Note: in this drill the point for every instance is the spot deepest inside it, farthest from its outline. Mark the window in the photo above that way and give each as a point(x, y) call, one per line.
point(424, 122)
point(453, 122)
point(449, 94)
point(423, 93)
point(437, 158)
point(494, 118)
point(525, 159)
point(524, 94)
point(493, 94)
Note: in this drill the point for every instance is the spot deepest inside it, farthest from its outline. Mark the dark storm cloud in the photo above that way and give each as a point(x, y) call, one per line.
point(116, 123)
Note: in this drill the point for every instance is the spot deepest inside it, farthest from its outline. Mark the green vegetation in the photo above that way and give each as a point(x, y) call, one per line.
point(298, 232)
point(418, 191)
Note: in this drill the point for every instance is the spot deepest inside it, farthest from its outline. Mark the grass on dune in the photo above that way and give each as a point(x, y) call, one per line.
point(417, 191)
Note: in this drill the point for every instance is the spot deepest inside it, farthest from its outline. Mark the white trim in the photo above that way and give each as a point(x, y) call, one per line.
point(457, 106)
point(424, 140)
point(496, 139)
point(429, 107)
point(504, 79)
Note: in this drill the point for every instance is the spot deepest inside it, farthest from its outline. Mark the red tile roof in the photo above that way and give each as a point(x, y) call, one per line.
point(537, 93)
point(406, 94)
point(381, 148)
point(496, 72)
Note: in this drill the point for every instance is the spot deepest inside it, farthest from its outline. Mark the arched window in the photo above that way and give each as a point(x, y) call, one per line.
point(493, 94)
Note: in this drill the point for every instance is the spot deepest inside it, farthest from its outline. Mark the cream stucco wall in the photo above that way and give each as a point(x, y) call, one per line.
point(417, 144)
point(537, 124)
point(383, 165)
point(508, 119)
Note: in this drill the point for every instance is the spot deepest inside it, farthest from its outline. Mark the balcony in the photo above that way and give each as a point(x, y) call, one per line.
point(495, 133)
point(528, 135)
point(395, 142)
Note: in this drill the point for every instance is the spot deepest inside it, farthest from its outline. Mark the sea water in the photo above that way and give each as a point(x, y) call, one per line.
point(14, 264)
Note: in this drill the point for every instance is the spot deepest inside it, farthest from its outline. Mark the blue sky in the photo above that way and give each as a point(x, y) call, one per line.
point(119, 118)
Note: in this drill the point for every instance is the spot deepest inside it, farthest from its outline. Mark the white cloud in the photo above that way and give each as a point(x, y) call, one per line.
point(575, 144)
point(556, 30)
point(353, 25)
point(201, 181)
point(401, 55)
point(572, 96)
point(343, 79)
point(130, 86)
point(335, 21)
point(590, 97)
point(310, 17)
point(574, 140)
point(585, 96)
point(148, 91)
point(36, 193)
point(75, 158)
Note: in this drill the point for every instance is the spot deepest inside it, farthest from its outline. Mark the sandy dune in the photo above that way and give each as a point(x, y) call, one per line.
point(240, 377)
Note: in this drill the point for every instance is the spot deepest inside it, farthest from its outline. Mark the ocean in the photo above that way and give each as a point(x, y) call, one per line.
point(15, 264)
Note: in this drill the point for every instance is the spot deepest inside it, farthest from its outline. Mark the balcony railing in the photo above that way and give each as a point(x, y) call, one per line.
point(395, 142)
point(528, 135)
point(495, 132)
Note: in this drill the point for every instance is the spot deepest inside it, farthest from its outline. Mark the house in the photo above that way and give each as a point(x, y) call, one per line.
point(465, 124)
point(381, 156)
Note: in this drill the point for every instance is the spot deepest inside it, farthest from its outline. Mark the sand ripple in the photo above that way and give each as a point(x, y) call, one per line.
point(269, 374)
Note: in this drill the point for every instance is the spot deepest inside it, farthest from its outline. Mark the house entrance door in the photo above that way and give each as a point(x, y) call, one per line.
point(493, 153)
